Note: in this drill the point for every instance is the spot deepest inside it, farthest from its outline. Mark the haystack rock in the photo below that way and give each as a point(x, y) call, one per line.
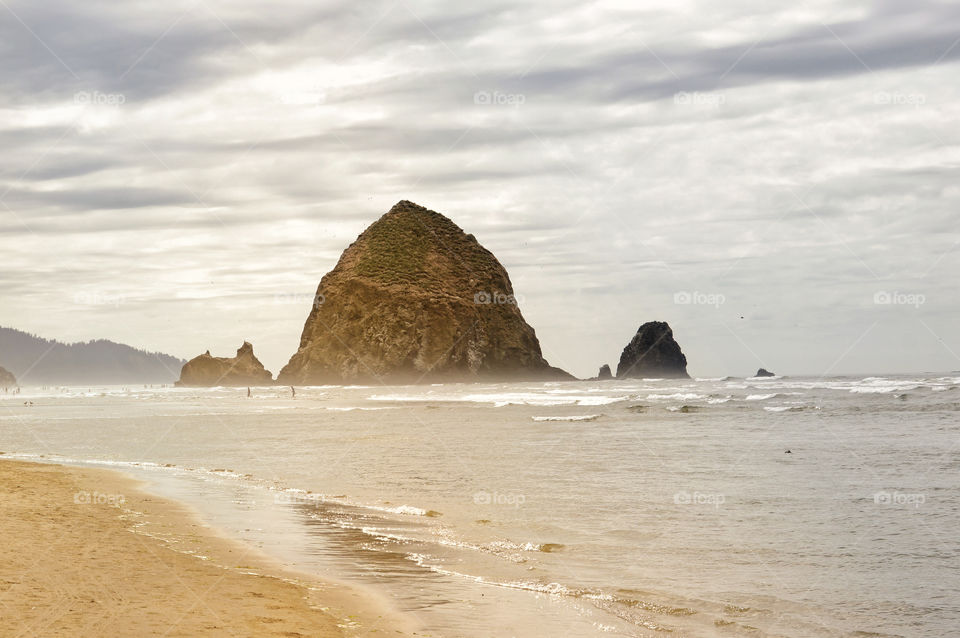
point(763, 372)
point(653, 353)
point(7, 380)
point(416, 299)
point(605, 374)
point(243, 369)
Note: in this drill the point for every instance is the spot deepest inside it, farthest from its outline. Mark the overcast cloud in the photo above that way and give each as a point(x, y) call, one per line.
point(778, 183)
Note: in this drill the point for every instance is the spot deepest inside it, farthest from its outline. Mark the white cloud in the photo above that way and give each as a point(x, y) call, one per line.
point(794, 161)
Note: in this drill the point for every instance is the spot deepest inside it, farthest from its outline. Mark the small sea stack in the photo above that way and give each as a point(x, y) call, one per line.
point(242, 370)
point(605, 374)
point(653, 353)
point(763, 372)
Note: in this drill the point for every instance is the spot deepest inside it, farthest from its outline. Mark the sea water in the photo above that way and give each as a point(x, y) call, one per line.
point(795, 507)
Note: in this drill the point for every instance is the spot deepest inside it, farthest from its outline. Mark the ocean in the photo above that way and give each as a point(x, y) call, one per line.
point(790, 507)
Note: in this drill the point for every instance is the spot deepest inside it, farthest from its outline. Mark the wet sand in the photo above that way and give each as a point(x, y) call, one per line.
point(85, 552)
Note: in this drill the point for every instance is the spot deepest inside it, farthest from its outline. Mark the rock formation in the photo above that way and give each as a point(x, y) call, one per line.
point(605, 374)
point(243, 369)
point(653, 353)
point(414, 299)
point(7, 380)
point(763, 372)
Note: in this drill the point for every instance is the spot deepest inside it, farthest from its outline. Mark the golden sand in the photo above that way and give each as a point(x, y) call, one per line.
point(86, 553)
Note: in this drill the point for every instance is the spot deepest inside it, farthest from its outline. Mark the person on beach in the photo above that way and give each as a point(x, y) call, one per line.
point(249, 394)
point(293, 392)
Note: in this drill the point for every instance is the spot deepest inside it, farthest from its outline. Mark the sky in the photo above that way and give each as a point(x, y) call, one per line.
point(778, 181)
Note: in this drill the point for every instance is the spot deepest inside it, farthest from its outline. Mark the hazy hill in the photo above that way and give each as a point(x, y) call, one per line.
point(38, 361)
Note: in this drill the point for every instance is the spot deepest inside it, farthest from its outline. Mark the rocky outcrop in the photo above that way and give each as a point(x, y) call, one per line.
point(416, 299)
point(243, 369)
point(605, 374)
point(653, 353)
point(763, 372)
point(7, 380)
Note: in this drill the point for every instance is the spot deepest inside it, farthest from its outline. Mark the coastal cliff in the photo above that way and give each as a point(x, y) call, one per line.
point(7, 380)
point(416, 299)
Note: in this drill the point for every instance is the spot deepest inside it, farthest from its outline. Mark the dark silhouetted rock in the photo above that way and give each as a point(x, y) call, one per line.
point(605, 373)
point(762, 372)
point(653, 353)
point(416, 299)
point(7, 380)
point(243, 369)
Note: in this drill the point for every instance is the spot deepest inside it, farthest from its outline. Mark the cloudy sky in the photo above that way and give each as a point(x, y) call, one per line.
point(778, 182)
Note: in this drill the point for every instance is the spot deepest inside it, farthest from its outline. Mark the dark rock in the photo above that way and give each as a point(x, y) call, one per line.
point(7, 380)
point(242, 370)
point(605, 373)
point(764, 373)
point(653, 353)
point(416, 299)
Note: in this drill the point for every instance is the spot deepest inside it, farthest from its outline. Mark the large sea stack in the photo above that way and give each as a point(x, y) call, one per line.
point(653, 353)
point(416, 299)
point(243, 369)
point(7, 380)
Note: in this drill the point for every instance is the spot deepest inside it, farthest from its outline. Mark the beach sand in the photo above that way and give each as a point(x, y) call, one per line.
point(85, 552)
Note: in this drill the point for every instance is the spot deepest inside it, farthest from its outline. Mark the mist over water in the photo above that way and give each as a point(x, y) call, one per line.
point(795, 507)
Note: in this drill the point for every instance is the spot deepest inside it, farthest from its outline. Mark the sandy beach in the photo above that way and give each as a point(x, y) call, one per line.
point(85, 552)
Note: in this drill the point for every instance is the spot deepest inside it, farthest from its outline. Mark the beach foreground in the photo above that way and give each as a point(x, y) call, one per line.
point(85, 553)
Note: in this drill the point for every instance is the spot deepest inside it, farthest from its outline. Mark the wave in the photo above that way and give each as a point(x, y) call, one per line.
point(678, 396)
point(685, 409)
point(507, 398)
point(585, 417)
point(886, 389)
point(407, 510)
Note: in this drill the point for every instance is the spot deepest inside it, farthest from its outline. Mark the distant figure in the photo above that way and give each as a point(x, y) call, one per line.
point(293, 392)
point(249, 394)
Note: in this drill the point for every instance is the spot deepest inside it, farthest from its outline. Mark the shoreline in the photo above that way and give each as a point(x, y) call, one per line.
point(89, 551)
